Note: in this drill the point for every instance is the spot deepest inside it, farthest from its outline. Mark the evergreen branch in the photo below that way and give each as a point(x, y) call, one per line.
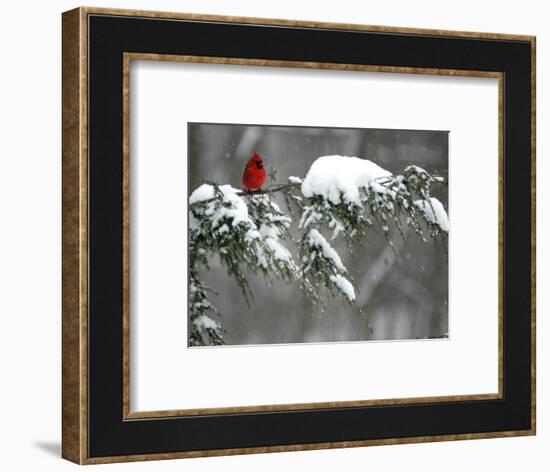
point(243, 193)
point(248, 231)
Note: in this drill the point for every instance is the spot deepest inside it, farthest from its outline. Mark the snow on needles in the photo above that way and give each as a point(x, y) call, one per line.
point(235, 210)
point(316, 239)
point(344, 285)
point(434, 212)
point(205, 322)
point(340, 178)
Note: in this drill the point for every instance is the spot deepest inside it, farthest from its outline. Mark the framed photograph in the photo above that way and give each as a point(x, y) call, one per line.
point(284, 235)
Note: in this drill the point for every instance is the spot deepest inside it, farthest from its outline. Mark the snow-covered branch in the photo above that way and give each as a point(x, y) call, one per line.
point(339, 198)
point(243, 193)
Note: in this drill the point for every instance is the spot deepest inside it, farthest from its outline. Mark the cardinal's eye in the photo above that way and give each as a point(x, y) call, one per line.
point(260, 165)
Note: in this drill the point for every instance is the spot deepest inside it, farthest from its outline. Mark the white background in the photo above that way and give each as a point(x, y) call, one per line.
point(30, 267)
point(165, 96)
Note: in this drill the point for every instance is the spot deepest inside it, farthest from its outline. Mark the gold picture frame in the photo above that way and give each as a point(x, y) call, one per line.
point(76, 235)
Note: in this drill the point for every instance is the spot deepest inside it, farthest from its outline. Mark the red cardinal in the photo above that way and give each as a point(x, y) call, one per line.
point(254, 173)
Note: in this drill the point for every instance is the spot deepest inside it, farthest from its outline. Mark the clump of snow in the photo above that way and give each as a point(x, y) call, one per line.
point(271, 235)
point(340, 178)
point(336, 227)
point(309, 216)
point(294, 180)
point(344, 285)
point(252, 234)
point(234, 208)
point(202, 193)
point(415, 169)
point(205, 322)
point(269, 231)
point(434, 212)
point(316, 239)
point(278, 251)
point(262, 261)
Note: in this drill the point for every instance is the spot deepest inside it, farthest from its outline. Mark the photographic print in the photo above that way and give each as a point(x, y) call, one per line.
point(308, 234)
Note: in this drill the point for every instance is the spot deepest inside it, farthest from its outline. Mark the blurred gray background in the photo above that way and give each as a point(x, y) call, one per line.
point(404, 295)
